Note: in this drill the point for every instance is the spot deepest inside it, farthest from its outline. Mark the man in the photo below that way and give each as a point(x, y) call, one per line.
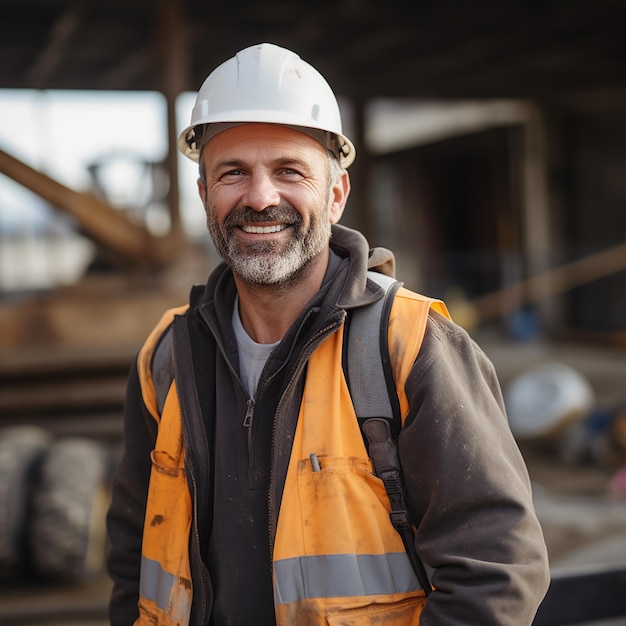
point(245, 494)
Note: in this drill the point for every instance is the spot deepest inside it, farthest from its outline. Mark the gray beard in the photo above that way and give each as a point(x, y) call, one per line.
point(270, 263)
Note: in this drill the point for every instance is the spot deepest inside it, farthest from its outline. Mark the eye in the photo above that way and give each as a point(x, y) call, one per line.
point(231, 174)
point(289, 172)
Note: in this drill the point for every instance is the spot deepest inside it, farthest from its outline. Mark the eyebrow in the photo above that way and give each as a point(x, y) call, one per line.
point(279, 162)
point(225, 163)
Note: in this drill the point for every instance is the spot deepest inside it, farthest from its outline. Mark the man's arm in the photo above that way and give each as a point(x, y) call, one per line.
point(468, 489)
point(126, 514)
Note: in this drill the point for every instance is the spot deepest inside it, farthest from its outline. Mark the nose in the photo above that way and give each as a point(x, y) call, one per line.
point(261, 193)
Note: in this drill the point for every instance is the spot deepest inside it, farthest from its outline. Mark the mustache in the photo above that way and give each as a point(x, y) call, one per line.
point(245, 215)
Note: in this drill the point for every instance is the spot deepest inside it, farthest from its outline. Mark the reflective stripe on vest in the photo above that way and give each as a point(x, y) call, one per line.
point(155, 583)
point(342, 575)
point(164, 599)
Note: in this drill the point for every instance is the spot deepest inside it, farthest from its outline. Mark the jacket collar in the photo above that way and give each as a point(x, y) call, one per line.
point(355, 289)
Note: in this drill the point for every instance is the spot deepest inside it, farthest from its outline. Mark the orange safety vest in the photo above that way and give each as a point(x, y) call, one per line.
point(337, 558)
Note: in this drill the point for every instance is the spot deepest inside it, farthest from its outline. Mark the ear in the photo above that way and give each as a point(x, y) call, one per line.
point(339, 196)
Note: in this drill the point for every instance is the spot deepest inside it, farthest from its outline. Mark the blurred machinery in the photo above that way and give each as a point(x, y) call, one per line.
point(53, 497)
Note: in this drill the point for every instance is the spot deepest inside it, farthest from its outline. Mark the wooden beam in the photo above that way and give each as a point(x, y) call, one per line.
point(109, 227)
point(550, 283)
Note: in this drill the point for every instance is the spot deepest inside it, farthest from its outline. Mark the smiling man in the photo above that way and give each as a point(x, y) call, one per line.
point(245, 493)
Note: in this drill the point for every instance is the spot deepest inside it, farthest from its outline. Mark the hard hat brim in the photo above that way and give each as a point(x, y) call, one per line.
point(344, 149)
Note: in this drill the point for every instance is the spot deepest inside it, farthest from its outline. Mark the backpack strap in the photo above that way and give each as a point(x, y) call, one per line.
point(372, 387)
point(368, 367)
point(386, 461)
point(163, 368)
point(154, 363)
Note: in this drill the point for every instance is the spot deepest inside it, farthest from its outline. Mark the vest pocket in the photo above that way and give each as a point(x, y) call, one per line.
point(168, 493)
point(336, 544)
point(404, 612)
point(164, 463)
point(345, 509)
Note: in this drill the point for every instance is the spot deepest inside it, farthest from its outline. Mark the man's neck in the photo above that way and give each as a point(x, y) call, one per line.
point(268, 311)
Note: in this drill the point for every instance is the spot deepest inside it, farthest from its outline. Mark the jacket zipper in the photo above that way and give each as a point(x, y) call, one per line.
point(305, 353)
point(247, 423)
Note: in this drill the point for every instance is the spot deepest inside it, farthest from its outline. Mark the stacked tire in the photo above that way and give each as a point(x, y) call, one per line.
point(54, 493)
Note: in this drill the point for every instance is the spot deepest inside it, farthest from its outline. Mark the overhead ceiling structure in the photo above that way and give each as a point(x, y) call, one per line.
point(560, 51)
point(562, 54)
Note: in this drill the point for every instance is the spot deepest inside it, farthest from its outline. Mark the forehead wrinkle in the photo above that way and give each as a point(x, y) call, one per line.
point(255, 139)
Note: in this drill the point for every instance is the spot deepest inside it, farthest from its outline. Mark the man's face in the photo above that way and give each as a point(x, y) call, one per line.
point(269, 201)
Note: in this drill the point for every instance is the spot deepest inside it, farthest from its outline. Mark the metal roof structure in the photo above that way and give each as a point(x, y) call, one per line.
point(560, 51)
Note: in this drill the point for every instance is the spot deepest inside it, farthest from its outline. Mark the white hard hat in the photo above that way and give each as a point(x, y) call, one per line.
point(268, 84)
point(544, 400)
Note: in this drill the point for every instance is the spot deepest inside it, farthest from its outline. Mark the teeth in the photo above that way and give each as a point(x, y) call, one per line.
point(262, 230)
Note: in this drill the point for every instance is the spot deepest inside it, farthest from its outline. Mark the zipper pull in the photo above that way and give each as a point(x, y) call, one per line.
point(247, 420)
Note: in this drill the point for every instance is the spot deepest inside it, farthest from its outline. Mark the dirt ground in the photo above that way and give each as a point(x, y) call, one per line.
point(584, 523)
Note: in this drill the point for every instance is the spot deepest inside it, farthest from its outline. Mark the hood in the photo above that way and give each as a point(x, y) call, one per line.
point(352, 246)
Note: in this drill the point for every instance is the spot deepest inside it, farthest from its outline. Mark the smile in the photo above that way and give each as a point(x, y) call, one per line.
point(263, 230)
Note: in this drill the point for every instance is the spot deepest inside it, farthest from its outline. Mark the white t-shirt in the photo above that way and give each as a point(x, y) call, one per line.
point(252, 355)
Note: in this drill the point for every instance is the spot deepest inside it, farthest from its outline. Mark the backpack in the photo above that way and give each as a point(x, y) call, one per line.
point(368, 371)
